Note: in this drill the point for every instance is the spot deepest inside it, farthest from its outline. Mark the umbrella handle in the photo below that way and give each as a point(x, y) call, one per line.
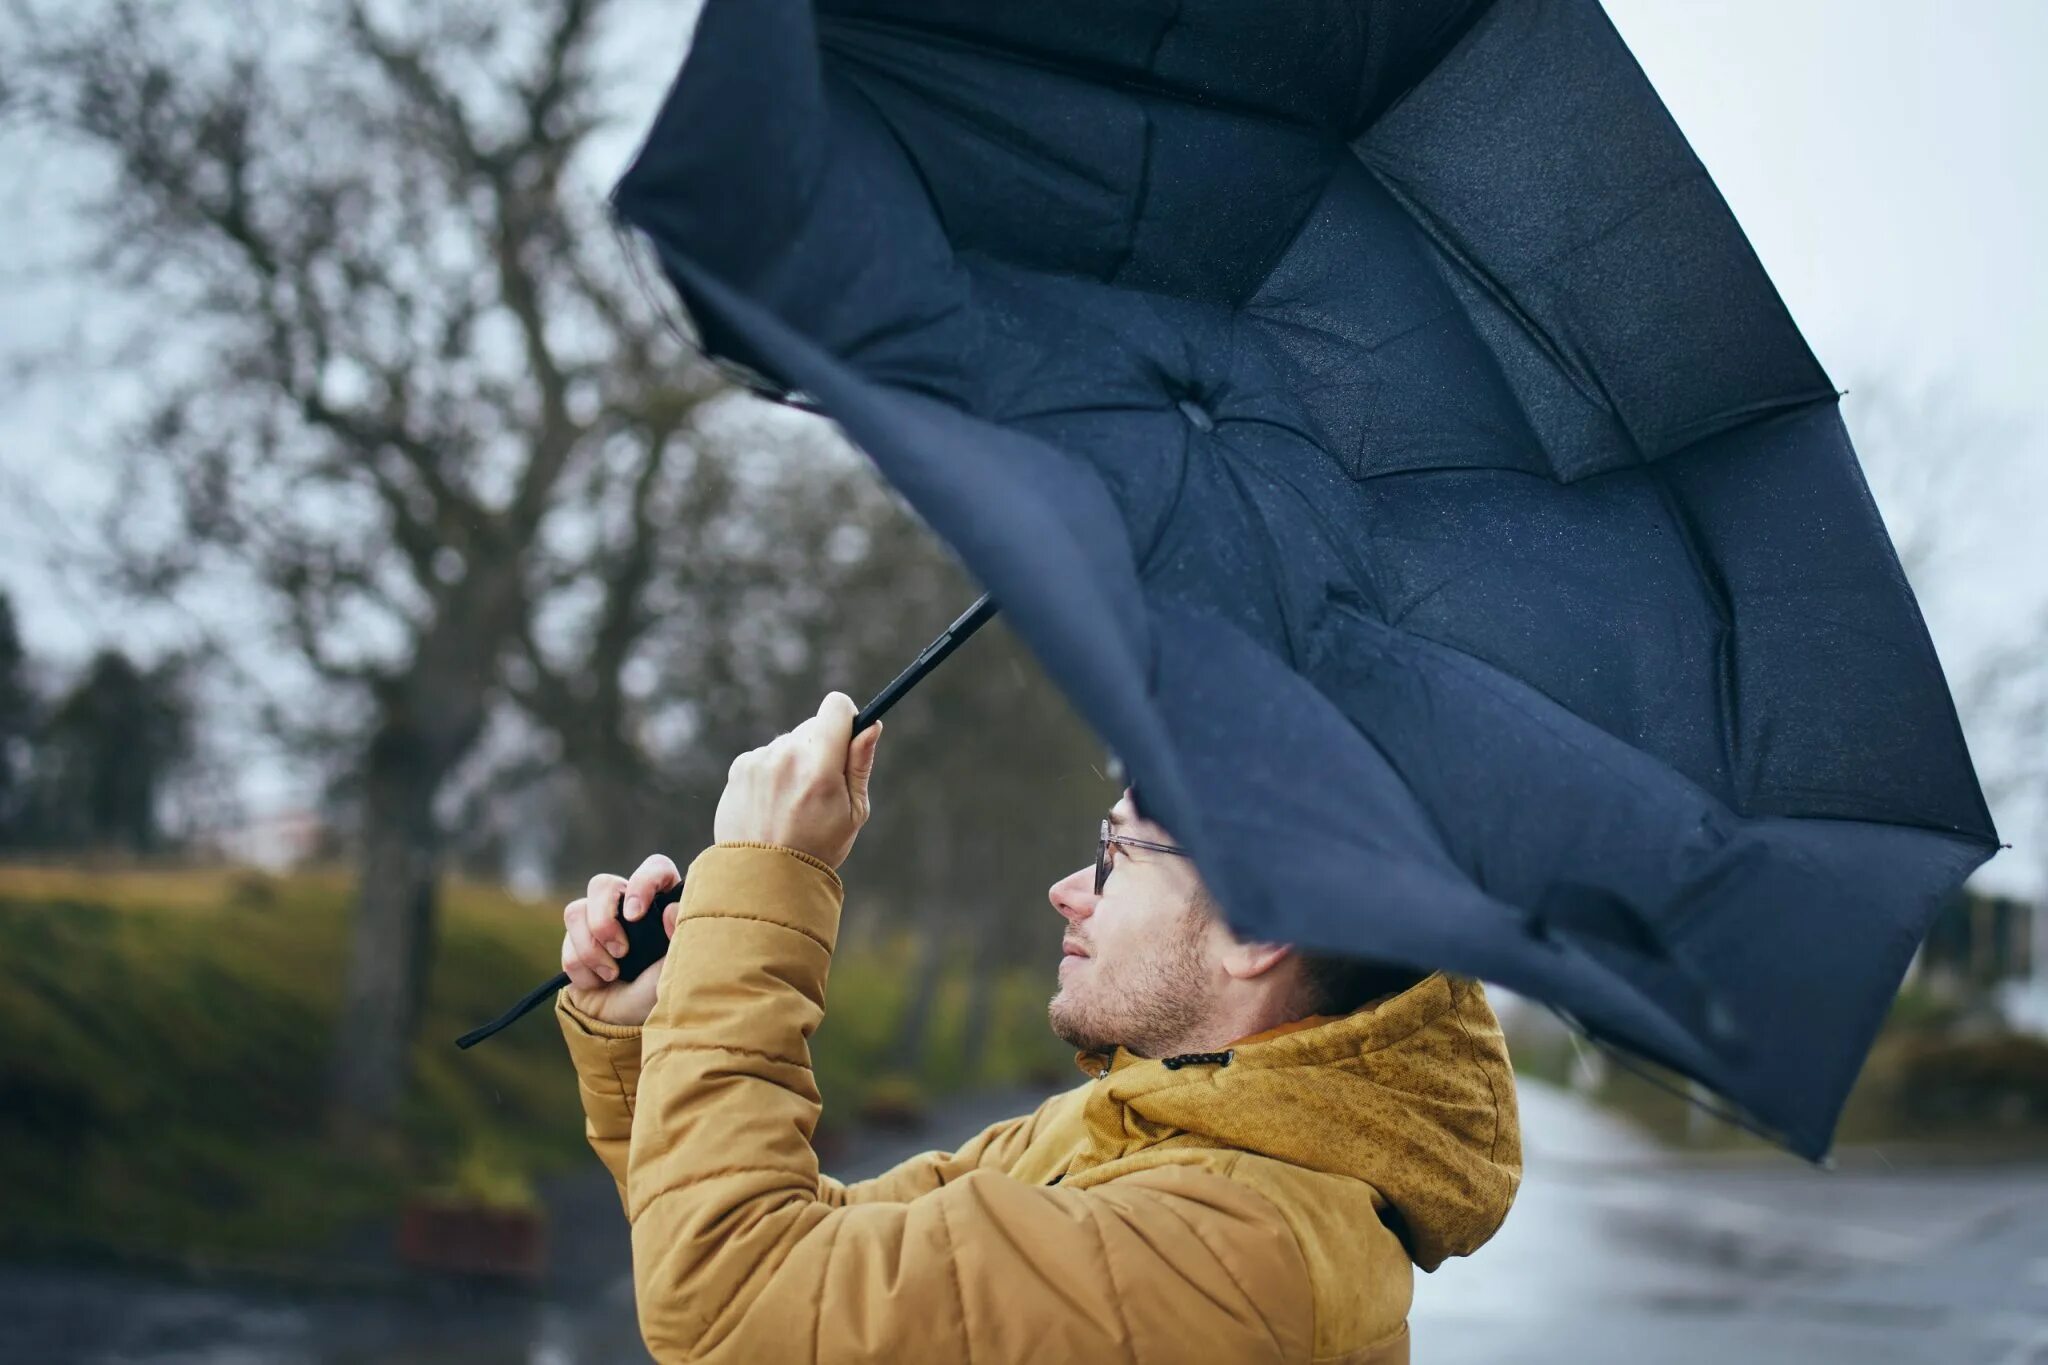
point(646, 939)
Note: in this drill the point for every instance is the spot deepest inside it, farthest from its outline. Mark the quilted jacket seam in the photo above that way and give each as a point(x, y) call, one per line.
point(953, 1271)
point(761, 919)
point(1116, 1293)
point(1252, 1183)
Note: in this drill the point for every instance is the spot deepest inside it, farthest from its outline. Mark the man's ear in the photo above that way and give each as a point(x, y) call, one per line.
point(1245, 961)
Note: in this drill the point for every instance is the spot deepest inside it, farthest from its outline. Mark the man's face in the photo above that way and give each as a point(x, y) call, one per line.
point(1140, 966)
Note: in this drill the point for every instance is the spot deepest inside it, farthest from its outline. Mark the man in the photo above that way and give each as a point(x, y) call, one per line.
point(1247, 1176)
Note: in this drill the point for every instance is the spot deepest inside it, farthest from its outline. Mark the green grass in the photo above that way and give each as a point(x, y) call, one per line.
point(165, 1036)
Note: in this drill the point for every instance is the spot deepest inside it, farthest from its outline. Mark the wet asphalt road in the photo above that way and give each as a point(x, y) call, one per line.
point(1612, 1254)
point(65, 1316)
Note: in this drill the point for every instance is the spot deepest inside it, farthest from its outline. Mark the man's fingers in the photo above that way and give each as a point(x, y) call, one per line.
point(800, 789)
point(836, 714)
point(603, 916)
point(576, 948)
point(828, 732)
point(589, 952)
point(819, 745)
point(654, 876)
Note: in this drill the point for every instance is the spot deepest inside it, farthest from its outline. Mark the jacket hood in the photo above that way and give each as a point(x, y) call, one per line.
point(1412, 1094)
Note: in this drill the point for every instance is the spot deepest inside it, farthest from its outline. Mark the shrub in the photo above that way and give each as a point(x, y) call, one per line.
point(893, 1102)
point(1999, 1080)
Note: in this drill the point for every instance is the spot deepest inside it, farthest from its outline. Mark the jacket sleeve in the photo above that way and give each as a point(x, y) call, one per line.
point(737, 1257)
point(607, 1073)
point(607, 1061)
point(994, 1148)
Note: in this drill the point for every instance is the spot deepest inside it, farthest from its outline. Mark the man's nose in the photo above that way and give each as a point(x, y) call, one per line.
point(1074, 895)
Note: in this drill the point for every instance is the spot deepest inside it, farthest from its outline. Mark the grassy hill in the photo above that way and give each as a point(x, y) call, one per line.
point(164, 1037)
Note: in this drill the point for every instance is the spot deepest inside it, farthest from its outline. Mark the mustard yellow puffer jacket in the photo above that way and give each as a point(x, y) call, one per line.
point(1266, 1208)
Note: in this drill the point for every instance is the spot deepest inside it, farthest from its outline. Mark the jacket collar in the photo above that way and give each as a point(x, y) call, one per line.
point(1412, 1094)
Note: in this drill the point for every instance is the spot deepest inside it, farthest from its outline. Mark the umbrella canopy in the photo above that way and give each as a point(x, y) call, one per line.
point(1376, 422)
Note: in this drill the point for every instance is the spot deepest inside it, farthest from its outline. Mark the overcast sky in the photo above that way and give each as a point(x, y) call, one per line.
point(1888, 159)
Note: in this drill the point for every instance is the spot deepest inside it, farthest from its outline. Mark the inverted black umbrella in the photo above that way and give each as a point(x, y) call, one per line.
point(1375, 421)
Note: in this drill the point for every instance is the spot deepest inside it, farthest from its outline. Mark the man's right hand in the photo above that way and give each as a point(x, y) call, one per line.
point(596, 940)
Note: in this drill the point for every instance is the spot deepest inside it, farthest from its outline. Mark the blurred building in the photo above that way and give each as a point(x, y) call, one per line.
point(1988, 950)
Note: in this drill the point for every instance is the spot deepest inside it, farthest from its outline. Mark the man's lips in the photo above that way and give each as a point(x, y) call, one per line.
point(1071, 949)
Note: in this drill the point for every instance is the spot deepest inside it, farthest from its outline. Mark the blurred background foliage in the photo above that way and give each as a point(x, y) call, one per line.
point(162, 1094)
point(463, 529)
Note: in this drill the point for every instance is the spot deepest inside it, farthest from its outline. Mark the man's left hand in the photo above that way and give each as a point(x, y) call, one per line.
point(808, 790)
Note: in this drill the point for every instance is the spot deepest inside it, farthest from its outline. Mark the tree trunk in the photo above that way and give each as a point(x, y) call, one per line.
point(914, 1023)
point(989, 944)
point(935, 892)
point(391, 936)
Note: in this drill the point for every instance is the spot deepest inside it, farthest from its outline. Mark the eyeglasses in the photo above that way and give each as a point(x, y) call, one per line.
point(1106, 840)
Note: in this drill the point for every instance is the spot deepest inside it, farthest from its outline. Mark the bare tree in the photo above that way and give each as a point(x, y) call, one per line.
point(2006, 698)
point(521, 537)
point(1925, 450)
point(1937, 462)
point(411, 389)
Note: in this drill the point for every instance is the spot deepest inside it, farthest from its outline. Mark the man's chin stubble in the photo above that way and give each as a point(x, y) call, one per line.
point(1071, 1031)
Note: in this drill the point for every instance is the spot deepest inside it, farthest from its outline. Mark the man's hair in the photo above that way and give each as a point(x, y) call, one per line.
point(1335, 984)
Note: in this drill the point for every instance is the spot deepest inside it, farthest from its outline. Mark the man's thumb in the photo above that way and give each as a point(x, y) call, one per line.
point(860, 763)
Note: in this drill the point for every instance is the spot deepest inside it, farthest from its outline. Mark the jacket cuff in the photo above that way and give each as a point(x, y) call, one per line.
point(606, 1056)
point(767, 882)
point(590, 1024)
